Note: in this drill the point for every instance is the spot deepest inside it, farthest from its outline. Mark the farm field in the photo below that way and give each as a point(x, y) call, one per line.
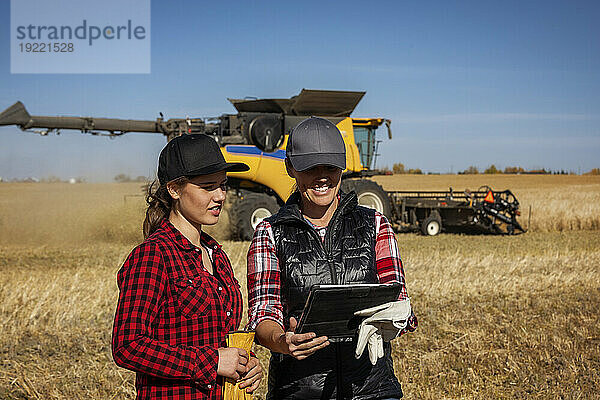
point(500, 317)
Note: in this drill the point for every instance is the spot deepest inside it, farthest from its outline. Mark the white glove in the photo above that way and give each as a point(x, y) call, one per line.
point(384, 323)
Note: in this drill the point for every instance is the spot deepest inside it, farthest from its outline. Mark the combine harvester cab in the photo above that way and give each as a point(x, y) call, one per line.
point(266, 186)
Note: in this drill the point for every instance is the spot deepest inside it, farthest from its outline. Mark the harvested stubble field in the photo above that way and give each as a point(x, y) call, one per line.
point(500, 317)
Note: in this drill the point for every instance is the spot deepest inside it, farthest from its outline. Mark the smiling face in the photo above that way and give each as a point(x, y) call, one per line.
point(200, 200)
point(318, 186)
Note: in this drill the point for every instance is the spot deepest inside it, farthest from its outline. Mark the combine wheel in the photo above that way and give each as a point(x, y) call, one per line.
point(432, 225)
point(248, 210)
point(369, 193)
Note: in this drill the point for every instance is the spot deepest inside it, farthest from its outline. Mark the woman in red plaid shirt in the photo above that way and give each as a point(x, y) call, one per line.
point(178, 295)
point(321, 236)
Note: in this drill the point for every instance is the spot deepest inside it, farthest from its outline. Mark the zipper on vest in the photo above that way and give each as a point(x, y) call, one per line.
point(327, 249)
point(325, 245)
point(327, 240)
point(334, 279)
point(326, 252)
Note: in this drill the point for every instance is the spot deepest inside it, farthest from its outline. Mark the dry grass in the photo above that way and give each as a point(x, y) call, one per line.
point(63, 214)
point(57, 214)
point(503, 317)
point(500, 317)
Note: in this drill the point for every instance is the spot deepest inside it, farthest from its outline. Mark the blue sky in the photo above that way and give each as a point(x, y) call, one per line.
point(465, 83)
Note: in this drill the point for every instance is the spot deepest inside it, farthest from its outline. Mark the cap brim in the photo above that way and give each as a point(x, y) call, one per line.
point(227, 167)
point(302, 162)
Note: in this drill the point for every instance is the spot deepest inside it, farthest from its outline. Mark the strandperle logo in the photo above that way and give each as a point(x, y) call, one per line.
point(82, 32)
point(80, 36)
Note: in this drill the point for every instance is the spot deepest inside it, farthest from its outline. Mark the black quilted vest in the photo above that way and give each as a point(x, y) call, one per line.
point(347, 255)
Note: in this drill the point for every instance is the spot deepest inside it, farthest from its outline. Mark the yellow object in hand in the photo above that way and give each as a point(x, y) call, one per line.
point(241, 340)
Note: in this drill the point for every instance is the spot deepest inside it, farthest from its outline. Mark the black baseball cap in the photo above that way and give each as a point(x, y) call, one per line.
point(316, 141)
point(191, 155)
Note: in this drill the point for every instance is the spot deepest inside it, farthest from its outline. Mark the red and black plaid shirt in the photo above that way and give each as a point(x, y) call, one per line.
point(173, 315)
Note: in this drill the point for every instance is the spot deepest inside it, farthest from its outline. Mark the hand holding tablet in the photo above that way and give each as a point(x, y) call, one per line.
point(329, 309)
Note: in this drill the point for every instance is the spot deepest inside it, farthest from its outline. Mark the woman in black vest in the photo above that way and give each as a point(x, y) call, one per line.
point(321, 236)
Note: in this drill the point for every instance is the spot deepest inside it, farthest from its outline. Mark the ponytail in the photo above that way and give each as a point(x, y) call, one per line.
point(160, 204)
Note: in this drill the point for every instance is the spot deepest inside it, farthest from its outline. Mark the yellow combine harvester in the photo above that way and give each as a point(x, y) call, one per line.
point(257, 136)
point(263, 188)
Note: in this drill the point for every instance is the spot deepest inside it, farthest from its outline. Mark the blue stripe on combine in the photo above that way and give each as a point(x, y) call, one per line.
point(254, 151)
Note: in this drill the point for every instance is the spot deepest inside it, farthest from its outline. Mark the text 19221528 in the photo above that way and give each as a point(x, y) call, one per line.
point(49, 47)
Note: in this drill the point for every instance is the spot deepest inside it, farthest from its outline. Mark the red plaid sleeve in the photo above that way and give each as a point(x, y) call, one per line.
point(142, 282)
point(264, 293)
point(389, 263)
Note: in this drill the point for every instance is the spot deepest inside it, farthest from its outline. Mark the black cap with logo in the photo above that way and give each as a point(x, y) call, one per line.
point(316, 141)
point(191, 155)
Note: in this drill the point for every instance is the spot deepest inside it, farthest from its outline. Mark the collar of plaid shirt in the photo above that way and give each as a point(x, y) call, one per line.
point(182, 242)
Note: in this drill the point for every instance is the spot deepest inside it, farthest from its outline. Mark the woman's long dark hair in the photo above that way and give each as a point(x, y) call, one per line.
point(160, 204)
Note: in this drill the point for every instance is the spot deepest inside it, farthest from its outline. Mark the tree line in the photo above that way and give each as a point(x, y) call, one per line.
point(399, 168)
point(123, 178)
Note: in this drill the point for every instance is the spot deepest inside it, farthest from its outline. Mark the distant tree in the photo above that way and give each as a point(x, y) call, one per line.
point(121, 178)
point(491, 170)
point(51, 179)
point(514, 170)
point(472, 170)
point(415, 171)
point(398, 168)
point(385, 170)
point(538, 171)
point(593, 171)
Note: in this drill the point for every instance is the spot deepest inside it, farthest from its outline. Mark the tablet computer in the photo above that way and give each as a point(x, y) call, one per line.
point(329, 309)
